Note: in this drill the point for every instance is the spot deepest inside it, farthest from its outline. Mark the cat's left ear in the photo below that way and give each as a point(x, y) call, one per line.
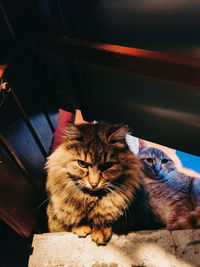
point(73, 132)
point(133, 143)
point(118, 135)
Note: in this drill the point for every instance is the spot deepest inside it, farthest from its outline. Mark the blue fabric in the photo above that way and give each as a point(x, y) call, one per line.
point(189, 161)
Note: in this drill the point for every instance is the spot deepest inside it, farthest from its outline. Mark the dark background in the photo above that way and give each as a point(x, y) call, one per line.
point(161, 111)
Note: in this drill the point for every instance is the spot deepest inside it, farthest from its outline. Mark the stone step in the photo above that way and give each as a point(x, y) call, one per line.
point(160, 248)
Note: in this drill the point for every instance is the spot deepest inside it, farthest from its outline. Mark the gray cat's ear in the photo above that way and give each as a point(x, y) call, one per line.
point(72, 132)
point(143, 144)
point(118, 135)
point(133, 143)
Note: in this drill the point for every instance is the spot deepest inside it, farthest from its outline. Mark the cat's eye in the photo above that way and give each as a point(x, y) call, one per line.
point(82, 164)
point(149, 160)
point(113, 141)
point(164, 161)
point(106, 166)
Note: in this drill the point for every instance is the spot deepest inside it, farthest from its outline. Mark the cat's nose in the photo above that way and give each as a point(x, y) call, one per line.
point(157, 169)
point(94, 184)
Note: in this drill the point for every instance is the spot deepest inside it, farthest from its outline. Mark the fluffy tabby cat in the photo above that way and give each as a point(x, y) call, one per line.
point(173, 191)
point(92, 179)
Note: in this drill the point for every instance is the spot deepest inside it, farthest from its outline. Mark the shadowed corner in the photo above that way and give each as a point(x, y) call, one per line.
point(15, 250)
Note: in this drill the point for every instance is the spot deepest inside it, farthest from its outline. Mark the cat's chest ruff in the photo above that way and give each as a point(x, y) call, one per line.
point(93, 202)
point(90, 204)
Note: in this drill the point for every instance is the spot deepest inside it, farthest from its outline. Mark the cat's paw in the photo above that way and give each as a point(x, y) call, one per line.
point(82, 230)
point(101, 235)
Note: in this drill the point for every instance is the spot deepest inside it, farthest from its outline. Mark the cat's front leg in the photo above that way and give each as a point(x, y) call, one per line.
point(81, 230)
point(191, 220)
point(101, 234)
point(181, 216)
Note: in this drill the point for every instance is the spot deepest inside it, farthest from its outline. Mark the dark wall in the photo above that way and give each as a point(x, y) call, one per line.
point(158, 25)
point(157, 110)
point(161, 111)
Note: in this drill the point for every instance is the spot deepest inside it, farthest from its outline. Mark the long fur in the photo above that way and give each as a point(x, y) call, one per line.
point(92, 178)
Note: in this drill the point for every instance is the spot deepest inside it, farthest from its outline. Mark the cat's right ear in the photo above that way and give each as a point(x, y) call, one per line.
point(143, 144)
point(118, 134)
point(72, 132)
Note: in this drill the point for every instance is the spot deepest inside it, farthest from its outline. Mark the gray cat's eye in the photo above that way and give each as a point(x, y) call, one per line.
point(164, 161)
point(149, 160)
point(82, 164)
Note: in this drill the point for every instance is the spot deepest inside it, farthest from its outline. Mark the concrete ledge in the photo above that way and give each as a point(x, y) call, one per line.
point(160, 248)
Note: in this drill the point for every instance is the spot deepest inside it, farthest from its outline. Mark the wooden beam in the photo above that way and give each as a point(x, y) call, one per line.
point(2, 70)
point(166, 66)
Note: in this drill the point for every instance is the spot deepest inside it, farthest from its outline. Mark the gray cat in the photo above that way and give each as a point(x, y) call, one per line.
point(173, 191)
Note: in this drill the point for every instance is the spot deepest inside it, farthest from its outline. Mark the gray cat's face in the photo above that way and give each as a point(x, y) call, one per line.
point(157, 164)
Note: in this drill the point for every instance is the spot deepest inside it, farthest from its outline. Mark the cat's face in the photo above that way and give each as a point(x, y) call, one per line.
point(157, 163)
point(94, 173)
point(92, 154)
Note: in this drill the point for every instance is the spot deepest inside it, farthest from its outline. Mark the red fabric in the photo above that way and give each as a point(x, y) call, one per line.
point(64, 116)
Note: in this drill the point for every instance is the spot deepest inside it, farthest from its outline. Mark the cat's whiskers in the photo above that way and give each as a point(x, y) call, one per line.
point(109, 191)
point(80, 188)
point(69, 197)
point(51, 196)
point(42, 203)
point(124, 209)
point(118, 185)
point(118, 188)
point(77, 187)
point(127, 188)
